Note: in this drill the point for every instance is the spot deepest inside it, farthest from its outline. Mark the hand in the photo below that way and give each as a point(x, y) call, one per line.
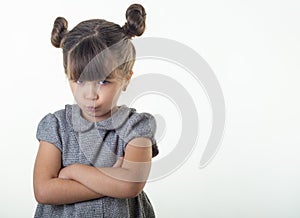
point(64, 173)
point(119, 162)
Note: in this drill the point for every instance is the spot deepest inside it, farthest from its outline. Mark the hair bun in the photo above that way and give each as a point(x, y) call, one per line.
point(60, 28)
point(135, 16)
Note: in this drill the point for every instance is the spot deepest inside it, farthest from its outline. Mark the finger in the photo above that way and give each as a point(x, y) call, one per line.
point(119, 162)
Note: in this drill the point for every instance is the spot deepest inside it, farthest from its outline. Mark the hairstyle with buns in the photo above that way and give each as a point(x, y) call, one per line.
point(91, 37)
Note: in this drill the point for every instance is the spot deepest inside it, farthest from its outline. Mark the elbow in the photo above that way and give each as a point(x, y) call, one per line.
point(40, 195)
point(134, 189)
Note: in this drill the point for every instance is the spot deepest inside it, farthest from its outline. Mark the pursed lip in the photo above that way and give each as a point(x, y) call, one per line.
point(91, 108)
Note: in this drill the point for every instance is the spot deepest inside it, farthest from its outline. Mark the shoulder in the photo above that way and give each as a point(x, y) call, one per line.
point(62, 114)
point(138, 125)
point(141, 121)
point(131, 119)
point(55, 120)
point(50, 127)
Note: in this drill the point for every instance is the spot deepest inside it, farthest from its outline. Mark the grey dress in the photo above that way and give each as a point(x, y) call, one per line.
point(97, 144)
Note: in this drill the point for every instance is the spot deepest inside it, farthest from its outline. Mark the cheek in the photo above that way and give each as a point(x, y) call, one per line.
point(73, 88)
point(110, 95)
point(76, 91)
point(116, 95)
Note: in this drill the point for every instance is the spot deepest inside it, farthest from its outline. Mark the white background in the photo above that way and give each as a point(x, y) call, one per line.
point(252, 46)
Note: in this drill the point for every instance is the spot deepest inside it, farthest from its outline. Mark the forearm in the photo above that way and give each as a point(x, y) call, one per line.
point(114, 182)
point(64, 191)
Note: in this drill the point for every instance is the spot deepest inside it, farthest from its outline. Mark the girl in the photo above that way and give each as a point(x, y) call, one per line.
point(94, 156)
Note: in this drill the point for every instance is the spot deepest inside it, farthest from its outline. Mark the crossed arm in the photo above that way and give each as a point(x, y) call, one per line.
point(78, 182)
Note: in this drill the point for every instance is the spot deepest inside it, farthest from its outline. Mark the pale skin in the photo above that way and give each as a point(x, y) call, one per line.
point(78, 182)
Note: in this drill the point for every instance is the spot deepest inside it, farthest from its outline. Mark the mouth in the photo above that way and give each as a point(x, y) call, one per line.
point(91, 109)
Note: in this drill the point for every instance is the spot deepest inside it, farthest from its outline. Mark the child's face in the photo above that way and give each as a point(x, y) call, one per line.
point(97, 98)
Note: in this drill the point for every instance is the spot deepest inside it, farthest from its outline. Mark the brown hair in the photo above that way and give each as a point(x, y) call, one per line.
point(98, 47)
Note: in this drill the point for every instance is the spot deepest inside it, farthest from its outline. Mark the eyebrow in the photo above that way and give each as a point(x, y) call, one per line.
point(109, 77)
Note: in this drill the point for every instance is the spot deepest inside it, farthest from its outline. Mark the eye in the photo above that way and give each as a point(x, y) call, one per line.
point(103, 82)
point(79, 82)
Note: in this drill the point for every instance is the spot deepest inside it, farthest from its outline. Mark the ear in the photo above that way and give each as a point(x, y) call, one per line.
point(129, 75)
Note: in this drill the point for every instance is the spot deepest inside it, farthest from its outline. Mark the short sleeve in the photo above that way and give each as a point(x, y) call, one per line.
point(48, 130)
point(141, 125)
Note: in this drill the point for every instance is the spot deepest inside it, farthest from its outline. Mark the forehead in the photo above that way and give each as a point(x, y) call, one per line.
point(93, 72)
point(117, 74)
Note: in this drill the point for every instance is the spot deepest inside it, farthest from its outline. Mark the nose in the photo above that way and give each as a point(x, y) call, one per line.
point(91, 91)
